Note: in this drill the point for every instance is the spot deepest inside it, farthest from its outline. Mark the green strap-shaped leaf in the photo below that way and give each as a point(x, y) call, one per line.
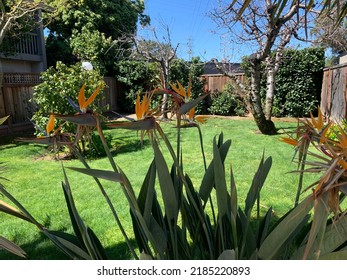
point(101, 174)
point(339, 255)
point(191, 104)
point(220, 183)
point(20, 213)
point(227, 255)
point(257, 183)
point(3, 119)
point(275, 240)
point(79, 226)
point(208, 179)
point(316, 235)
point(147, 192)
point(335, 235)
point(166, 185)
point(11, 247)
point(65, 243)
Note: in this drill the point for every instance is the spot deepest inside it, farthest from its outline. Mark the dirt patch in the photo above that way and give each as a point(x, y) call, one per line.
point(52, 157)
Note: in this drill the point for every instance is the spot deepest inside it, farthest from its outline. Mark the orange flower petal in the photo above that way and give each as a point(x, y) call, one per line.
point(343, 164)
point(324, 134)
point(81, 96)
point(201, 119)
point(191, 114)
point(180, 90)
point(138, 108)
point(50, 124)
point(289, 141)
point(142, 108)
point(320, 120)
point(92, 97)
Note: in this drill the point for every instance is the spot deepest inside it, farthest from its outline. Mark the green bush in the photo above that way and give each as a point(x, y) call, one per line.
point(141, 76)
point(137, 77)
point(59, 83)
point(299, 82)
point(227, 103)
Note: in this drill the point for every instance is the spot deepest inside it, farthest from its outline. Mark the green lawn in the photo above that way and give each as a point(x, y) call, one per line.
point(36, 182)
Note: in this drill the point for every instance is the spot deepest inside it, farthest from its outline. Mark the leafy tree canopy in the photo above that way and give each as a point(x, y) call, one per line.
point(88, 29)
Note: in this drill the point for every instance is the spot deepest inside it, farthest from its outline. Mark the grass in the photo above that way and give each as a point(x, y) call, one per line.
point(36, 181)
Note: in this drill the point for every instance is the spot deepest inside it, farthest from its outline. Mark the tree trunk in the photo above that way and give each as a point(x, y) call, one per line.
point(270, 92)
point(265, 126)
point(164, 106)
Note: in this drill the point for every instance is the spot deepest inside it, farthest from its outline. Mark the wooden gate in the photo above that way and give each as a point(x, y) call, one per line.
point(15, 94)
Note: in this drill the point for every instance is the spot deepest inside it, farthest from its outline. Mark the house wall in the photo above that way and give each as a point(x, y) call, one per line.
point(21, 66)
point(343, 59)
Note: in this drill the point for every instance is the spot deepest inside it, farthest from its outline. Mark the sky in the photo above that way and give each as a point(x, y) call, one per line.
point(192, 28)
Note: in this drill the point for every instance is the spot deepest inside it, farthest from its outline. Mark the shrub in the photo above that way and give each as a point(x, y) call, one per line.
point(299, 82)
point(137, 77)
point(59, 83)
point(227, 103)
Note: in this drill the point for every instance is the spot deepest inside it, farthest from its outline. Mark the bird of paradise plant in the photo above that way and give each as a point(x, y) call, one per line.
point(171, 218)
point(52, 137)
point(86, 120)
point(330, 161)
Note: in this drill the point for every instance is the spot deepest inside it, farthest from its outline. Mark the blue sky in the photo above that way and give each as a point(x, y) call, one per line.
point(190, 25)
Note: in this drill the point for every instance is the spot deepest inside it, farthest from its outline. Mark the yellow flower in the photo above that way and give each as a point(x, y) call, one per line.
point(83, 102)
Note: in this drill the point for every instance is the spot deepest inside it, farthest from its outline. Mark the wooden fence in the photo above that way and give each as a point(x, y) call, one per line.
point(334, 92)
point(217, 82)
point(17, 90)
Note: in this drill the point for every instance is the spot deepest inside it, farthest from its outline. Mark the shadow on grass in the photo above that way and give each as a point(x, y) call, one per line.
point(128, 145)
point(43, 249)
point(117, 145)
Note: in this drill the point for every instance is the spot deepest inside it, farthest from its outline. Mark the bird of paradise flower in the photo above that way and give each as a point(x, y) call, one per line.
point(55, 138)
point(331, 157)
point(85, 119)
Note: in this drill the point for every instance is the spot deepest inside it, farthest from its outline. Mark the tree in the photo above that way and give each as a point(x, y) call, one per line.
point(12, 13)
point(328, 5)
point(162, 52)
point(270, 31)
point(87, 29)
point(329, 32)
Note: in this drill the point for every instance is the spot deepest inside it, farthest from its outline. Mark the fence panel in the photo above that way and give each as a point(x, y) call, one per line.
point(216, 83)
point(111, 92)
point(334, 92)
point(17, 90)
